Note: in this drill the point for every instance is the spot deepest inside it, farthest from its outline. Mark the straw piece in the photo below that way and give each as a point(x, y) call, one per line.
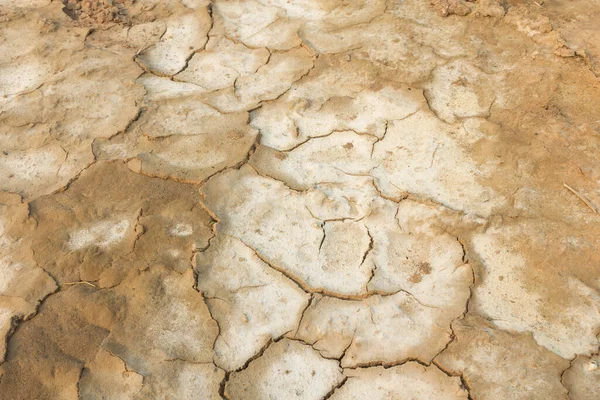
point(582, 198)
point(81, 283)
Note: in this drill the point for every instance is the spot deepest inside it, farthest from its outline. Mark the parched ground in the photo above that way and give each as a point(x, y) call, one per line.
point(299, 199)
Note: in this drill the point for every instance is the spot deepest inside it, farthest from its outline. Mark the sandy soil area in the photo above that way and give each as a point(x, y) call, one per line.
point(299, 199)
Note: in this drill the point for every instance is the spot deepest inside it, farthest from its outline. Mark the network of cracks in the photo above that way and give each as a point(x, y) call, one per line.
point(318, 199)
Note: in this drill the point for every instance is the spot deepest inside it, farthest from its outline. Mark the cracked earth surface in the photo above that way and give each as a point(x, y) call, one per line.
point(317, 199)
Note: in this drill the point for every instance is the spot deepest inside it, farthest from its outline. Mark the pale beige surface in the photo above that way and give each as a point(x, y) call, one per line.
point(268, 199)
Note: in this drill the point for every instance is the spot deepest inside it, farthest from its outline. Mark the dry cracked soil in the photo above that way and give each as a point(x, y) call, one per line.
point(299, 199)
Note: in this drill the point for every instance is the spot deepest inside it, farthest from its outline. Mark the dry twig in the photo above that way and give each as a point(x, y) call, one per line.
point(81, 283)
point(582, 198)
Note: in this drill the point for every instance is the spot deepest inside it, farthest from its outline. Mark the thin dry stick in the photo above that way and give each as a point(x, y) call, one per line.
point(145, 43)
point(582, 198)
point(137, 53)
point(80, 283)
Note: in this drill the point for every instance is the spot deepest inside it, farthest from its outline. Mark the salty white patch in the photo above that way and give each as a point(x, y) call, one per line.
point(182, 230)
point(8, 272)
point(102, 234)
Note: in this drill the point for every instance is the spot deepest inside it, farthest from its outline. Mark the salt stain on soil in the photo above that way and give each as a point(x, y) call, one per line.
point(311, 200)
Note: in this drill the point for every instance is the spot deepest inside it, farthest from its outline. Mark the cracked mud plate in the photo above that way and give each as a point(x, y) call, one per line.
point(265, 199)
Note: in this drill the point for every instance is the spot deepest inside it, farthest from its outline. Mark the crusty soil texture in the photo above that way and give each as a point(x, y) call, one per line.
point(97, 11)
point(317, 199)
